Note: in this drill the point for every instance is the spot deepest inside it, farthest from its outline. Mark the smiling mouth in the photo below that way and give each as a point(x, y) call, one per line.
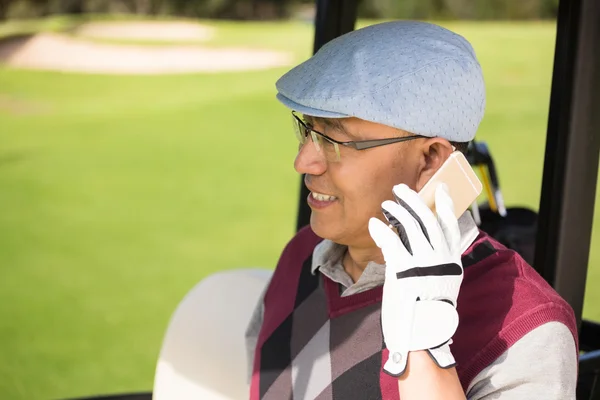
point(322, 197)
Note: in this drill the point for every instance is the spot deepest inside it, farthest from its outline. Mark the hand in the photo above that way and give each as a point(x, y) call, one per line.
point(422, 279)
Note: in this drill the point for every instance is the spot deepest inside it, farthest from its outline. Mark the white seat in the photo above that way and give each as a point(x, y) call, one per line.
point(203, 355)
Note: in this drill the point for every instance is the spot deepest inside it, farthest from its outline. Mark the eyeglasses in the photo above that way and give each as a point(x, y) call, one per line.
point(331, 147)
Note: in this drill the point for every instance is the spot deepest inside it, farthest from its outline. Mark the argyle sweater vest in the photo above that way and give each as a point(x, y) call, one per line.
point(315, 344)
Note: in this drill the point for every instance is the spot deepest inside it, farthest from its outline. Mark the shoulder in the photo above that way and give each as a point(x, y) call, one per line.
point(499, 279)
point(540, 365)
point(502, 299)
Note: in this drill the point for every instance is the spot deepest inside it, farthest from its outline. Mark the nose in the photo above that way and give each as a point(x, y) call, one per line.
point(310, 161)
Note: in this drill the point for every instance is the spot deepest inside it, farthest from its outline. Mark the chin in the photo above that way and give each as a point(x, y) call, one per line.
point(339, 231)
point(323, 228)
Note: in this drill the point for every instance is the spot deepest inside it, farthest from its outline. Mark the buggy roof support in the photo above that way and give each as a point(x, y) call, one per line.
point(571, 160)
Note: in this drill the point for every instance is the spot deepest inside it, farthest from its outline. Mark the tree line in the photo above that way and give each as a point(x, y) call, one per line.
point(280, 9)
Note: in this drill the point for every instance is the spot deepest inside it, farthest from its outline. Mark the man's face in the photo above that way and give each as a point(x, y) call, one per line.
point(360, 181)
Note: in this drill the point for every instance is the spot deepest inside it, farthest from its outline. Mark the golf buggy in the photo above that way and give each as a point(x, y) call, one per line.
point(556, 240)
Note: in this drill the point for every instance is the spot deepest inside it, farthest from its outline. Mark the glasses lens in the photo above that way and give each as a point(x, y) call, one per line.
point(330, 150)
point(316, 140)
point(300, 130)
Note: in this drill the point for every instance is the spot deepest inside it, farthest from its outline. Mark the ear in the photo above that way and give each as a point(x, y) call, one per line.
point(433, 153)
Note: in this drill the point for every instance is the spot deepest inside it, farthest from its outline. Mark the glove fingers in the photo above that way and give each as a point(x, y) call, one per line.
point(392, 248)
point(426, 219)
point(399, 228)
point(415, 236)
point(446, 218)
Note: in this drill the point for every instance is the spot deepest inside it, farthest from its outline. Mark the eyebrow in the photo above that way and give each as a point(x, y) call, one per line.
point(333, 123)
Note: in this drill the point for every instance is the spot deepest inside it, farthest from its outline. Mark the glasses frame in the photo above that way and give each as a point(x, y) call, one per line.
point(355, 144)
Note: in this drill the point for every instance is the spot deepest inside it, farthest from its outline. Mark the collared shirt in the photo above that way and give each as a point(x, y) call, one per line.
point(540, 365)
point(328, 257)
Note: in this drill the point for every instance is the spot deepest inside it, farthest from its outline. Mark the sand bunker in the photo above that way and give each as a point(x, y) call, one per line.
point(147, 30)
point(16, 106)
point(66, 53)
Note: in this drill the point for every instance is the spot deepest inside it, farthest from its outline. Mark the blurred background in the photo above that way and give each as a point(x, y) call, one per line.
point(142, 148)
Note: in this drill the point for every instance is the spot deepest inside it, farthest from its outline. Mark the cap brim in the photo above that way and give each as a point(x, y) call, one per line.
point(314, 112)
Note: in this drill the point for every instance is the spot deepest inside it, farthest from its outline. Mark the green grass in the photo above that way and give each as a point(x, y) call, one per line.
point(21, 27)
point(249, 34)
point(118, 194)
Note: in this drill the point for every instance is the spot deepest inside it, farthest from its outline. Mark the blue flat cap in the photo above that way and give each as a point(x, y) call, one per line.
point(414, 76)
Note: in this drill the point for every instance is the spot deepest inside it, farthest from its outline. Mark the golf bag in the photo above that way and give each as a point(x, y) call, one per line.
point(514, 227)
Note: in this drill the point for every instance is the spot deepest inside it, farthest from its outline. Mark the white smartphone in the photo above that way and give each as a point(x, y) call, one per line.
point(463, 184)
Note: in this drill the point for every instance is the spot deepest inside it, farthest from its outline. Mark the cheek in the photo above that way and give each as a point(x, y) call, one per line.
point(366, 187)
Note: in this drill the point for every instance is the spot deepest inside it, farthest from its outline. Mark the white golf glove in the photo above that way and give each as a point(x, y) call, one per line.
point(422, 279)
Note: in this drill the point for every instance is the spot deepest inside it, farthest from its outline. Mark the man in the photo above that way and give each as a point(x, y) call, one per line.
point(363, 303)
